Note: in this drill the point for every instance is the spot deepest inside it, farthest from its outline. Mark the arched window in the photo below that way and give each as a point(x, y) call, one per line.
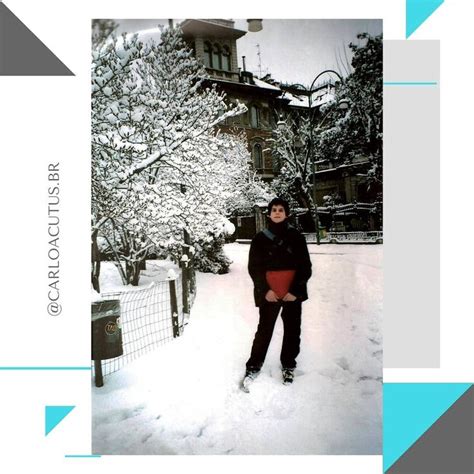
point(216, 57)
point(207, 54)
point(257, 156)
point(226, 58)
point(254, 117)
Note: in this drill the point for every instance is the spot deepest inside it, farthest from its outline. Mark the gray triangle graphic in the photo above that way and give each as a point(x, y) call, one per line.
point(447, 447)
point(22, 53)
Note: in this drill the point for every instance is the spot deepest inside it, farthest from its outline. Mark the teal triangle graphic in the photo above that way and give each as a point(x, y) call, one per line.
point(410, 409)
point(53, 415)
point(417, 11)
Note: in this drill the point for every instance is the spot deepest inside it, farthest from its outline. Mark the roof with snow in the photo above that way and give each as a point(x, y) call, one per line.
point(216, 28)
point(265, 85)
point(317, 99)
point(258, 85)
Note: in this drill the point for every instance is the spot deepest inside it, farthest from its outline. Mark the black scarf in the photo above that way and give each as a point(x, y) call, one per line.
point(279, 229)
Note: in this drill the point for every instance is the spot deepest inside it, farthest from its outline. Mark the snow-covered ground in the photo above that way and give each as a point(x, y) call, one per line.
point(184, 398)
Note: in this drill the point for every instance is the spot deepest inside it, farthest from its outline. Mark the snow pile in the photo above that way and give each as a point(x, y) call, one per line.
point(185, 399)
point(156, 270)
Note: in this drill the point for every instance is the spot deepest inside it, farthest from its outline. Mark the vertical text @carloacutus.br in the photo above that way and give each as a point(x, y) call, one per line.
point(54, 307)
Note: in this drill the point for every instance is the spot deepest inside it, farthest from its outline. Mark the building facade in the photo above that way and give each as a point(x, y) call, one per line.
point(351, 205)
point(215, 43)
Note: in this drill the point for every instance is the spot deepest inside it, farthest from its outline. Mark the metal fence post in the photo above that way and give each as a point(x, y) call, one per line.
point(174, 308)
point(99, 378)
point(185, 279)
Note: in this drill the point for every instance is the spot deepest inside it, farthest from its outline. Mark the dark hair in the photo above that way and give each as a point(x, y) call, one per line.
point(279, 202)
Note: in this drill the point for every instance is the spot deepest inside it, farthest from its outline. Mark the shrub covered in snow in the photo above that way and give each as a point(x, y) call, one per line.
point(211, 257)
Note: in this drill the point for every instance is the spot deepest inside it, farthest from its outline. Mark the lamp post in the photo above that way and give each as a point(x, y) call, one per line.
point(343, 104)
point(254, 25)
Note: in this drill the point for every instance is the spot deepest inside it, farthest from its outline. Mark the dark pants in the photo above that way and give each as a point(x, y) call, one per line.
point(291, 315)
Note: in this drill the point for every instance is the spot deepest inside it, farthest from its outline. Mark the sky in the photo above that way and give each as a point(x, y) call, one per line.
point(292, 51)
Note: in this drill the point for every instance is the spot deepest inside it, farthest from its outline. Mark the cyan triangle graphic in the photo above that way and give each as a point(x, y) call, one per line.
point(410, 409)
point(417, 11)
point(54, 415)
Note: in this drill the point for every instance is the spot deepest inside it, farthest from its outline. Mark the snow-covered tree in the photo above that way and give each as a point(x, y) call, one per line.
point(333, 135)
point(112, 62)
point(360, 131)
point(155, 151)
point(293, 149)
point(247, 187)
point(198, 197)
point(102, 31)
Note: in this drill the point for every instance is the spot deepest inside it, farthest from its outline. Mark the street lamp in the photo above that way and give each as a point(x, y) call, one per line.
point(255, 25)
point(343, 104)
point(281, 124)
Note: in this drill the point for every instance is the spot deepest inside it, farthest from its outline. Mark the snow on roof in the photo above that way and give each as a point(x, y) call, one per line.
point(323, 99)
point(303, 100)
point(296, 100)
point(265, 85)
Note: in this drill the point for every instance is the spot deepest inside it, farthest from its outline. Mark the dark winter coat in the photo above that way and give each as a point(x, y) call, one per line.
point(287, 252)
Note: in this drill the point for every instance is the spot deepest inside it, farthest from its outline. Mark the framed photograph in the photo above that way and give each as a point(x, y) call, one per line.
point(236, 183)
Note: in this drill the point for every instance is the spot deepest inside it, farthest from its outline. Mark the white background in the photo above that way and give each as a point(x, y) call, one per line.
point(46, 119)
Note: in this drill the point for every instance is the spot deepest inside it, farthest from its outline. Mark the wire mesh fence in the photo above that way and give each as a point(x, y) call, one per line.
point(150, 317)
point(347, 237)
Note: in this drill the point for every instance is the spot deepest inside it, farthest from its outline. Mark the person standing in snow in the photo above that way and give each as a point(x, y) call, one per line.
point(280, 266)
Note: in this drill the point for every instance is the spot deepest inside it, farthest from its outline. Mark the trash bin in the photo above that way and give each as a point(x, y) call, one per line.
point(106, 330)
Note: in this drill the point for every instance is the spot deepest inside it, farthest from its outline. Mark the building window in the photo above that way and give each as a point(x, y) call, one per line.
point(216, 57)
point(207, 54)
point(254, 117)
point(226, 58)
point(257, 156)
point(266, 117)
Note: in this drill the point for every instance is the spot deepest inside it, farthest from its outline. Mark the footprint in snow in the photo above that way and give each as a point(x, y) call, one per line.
point(374, 341)
point(369, 377)
point(343, 363)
